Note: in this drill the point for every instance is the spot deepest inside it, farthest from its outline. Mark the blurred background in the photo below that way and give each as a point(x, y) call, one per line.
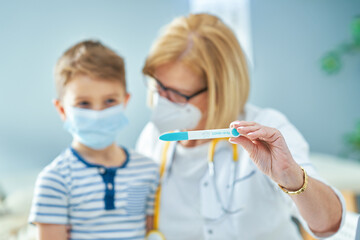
point(304, 59)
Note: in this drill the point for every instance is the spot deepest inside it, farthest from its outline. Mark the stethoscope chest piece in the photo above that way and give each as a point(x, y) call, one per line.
point(155, 235)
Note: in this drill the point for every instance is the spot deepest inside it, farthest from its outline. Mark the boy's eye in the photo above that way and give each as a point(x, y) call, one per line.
point(110, 101)
point(83, 104)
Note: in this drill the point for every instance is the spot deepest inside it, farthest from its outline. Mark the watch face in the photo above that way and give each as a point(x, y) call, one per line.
point(155, 235)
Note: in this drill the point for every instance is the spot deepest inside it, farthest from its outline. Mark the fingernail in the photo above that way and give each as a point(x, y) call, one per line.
point(232, 141)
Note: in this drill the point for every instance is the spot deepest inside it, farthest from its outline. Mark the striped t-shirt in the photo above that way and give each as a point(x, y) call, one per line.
point(96, 201)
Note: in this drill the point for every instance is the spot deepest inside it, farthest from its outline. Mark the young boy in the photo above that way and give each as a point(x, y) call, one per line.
point(94, 189)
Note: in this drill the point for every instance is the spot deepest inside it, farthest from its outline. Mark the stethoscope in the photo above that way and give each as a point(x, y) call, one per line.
point(212, 173)
point(226, 208)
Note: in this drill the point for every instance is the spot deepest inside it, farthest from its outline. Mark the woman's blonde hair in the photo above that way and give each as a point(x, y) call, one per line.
point(210, 49)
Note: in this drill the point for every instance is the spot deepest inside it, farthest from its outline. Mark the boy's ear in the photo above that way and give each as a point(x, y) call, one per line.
point(126, 99)
point(60, 109)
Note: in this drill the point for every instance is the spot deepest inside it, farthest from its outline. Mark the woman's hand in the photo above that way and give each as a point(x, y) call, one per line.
point(319, 205)
point(267, 148)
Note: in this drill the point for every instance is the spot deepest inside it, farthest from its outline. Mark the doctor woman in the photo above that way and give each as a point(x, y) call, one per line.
point(255, 184)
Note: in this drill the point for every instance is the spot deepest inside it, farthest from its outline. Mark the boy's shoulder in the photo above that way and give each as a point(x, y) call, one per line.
point(60, 166)
point(54, 180)
point(136, 158)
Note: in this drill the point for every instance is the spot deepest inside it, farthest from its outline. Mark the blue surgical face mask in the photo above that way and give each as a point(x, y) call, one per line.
point(95, 129)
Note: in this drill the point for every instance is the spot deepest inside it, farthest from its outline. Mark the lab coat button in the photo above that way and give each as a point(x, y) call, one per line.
point(210, 231)
point(206, 184)
point(109, 186)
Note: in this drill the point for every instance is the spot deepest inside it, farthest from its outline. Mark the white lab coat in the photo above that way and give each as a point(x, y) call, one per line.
point(188, 199)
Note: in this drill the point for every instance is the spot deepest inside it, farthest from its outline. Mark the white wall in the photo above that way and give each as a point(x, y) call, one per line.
point(289, 38)
point(34, 34)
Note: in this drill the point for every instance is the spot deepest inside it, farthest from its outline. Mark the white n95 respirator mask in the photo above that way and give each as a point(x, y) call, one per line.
point(168, 116)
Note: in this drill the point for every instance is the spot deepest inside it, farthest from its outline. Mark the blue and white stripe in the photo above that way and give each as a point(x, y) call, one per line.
point(98, 202)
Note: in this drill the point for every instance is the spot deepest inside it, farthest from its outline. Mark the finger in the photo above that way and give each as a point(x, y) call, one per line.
point(248, 129)
point(266, 134)
point(246, 143)
point(68, 231)
point(237, 124)
point(232, 124)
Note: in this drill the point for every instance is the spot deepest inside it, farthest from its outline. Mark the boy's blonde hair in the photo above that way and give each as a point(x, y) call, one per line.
point(90, 58)
point(210, 49)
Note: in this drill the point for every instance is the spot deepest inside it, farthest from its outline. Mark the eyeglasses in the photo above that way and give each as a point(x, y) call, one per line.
point(173, 95)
